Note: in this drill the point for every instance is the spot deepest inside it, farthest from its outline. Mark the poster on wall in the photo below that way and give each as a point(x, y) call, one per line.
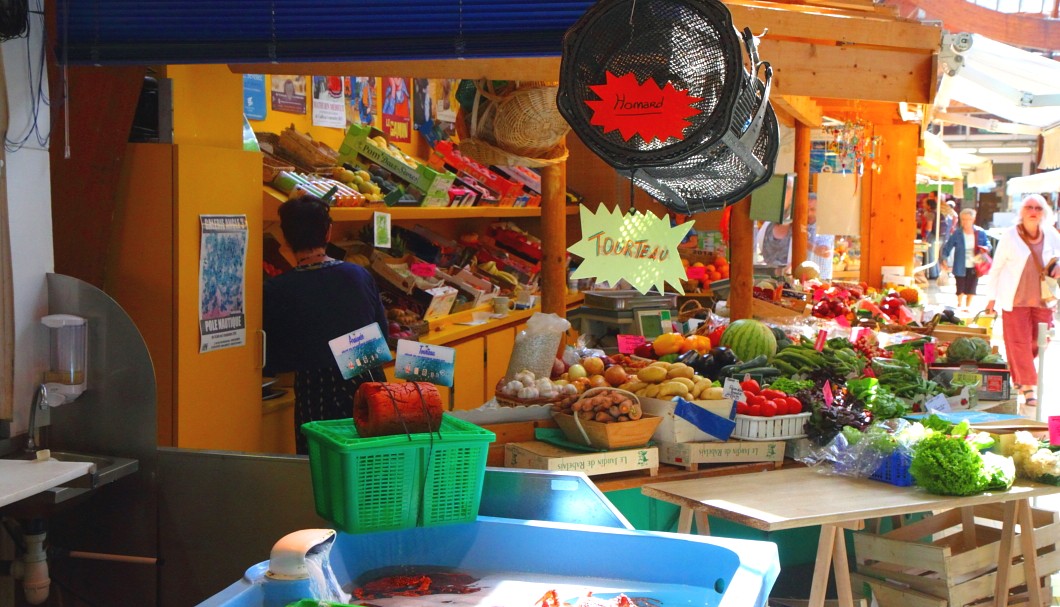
point(288, 94)
point(422, 105)
point(254, 107)
point(329, 102)
point(397, 118)
point(222, 271)
point(443, 93)
point(363, 107)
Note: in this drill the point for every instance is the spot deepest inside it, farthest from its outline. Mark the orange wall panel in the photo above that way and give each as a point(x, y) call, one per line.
point(891, 216)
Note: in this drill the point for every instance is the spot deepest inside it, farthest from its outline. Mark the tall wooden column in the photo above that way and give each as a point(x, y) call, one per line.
point(741, 266)
point(799, 235)
point(554, 239)
point(891, 209)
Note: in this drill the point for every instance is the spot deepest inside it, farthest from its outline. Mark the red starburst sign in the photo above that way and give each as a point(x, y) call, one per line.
point(645, 109)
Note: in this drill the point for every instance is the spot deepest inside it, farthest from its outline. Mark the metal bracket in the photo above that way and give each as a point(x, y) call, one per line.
point(951, 48)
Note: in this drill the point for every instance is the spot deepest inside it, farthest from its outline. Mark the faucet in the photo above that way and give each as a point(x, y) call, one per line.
point(40, 401)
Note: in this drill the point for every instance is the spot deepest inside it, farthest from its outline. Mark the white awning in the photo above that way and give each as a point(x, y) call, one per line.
point(1016, 85)
point(1038, 183)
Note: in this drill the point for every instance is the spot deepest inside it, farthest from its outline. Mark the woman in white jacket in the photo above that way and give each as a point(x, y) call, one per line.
point(1014, 286)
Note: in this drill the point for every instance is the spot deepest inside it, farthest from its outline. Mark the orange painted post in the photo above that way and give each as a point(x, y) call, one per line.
point(741, 266)
point(891, 212)
point(802, 194)
point(554, 240)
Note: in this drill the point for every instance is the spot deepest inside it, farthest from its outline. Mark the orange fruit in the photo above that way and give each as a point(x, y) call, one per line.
point(715, 275)
point(720, 259)
point(709, 268)
point(724, 272)
point(697, 265)
point(684, 262)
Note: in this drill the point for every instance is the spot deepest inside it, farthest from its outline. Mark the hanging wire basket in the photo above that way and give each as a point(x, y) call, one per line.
point(690, 44)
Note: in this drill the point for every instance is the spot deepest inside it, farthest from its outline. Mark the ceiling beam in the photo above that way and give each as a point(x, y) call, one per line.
point(1022, 30)
point(803, 110)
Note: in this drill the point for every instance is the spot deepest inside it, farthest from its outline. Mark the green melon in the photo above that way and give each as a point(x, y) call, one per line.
point(748, 338)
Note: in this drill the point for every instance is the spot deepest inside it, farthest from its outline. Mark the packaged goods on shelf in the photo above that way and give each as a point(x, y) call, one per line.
point(430, 186)
point(302, 150)
point(429, 295)
point(523, 244)
point(503, 192)
point(430, 246)
point(465, 280)
point(297, 184)
point(524, 271)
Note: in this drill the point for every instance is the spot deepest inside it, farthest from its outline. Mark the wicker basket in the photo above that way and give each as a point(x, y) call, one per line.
point(520, 127)
point(272, 166)
point(302, 150)
point(511, 401)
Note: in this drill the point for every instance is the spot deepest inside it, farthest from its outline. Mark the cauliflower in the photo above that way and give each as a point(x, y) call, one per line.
point(1032, 460)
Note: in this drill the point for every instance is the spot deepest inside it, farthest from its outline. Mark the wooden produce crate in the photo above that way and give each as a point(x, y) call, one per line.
point(942, 562)
point(543, 456)
point(947, 333)
point(612, 435)
point(691, 455)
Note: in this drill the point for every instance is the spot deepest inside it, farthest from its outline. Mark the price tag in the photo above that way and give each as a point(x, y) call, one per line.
point(842, 321)
point(827, 390)
point(855, 332)
point(966, 379)
point(937, 404)
point(628, 343)
point(822, 336)
point(418, 361)
point(360, 350)
point(732, 390)
point(929, 353)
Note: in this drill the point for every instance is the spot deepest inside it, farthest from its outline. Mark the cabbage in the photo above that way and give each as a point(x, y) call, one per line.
point(968, 348)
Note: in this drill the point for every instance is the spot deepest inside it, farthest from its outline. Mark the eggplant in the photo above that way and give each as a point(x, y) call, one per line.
point(723, 356)
point(704, 366)
point(689, 358)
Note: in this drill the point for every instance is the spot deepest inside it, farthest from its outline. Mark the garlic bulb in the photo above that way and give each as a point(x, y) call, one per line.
point(569, 389)
point(512, 388)
point(528, 393)
point(525, 377)
point(544, 383)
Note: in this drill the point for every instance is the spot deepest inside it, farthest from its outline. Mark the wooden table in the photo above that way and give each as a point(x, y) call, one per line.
point(803, 497)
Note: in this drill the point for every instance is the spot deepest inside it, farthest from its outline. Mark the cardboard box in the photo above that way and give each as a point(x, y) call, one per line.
point(434, 184)
point(995, 384)
point(690, 455)
point(676, 429)
point(543, 456)
point(483, 289)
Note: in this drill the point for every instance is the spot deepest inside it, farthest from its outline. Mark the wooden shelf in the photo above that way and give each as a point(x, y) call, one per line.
point(273, 198)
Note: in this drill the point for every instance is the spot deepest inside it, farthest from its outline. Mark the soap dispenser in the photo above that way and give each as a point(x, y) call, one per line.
point(67, 357)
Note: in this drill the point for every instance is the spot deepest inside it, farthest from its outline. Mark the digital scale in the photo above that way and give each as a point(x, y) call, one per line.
point(627, 312)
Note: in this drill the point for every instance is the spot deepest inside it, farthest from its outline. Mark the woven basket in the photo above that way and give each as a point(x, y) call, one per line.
point(301, 149)
point(520, 127)
point(271, 166)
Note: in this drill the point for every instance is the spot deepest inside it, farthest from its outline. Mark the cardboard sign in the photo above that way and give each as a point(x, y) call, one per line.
point(425, 362)
point(938, 404)
point(360, 350)
point(642, 108)
point(929, 353)
point(628, 343)
point(639, 248)
point(827, 391)
point(822, 337)
point(731, 389)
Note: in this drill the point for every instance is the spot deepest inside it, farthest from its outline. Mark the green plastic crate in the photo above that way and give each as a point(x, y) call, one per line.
point(318, 603)
point(396, 482)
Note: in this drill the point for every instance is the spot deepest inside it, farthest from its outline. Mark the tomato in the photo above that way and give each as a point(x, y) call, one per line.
point(750, 386)
point(782, 406)
point(755, 410)
point(769, 409)
point(755, 399)
point(794, 404)
point(772, 394)
point(741, 408)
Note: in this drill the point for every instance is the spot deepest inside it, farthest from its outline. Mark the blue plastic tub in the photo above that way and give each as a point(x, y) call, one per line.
point(679, 569)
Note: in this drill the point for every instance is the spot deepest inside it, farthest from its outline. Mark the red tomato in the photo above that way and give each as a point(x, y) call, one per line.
point(756, 399)
point(755, 410)
point(771, 394)
point(741, 408)
point(794, 405)
point(782, 406)
point(750, 386)
point(769, 409)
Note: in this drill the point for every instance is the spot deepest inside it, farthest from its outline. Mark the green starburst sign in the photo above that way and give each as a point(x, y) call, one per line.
point(638, 247)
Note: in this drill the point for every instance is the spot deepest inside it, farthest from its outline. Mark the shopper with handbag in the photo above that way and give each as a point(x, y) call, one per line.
point(1020, 283)
point(971, 257)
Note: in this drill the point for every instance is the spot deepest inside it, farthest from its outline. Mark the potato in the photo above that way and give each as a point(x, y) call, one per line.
point(687, 382)
point(636, 385)
point(652, 375)
point(651, 391)
point(673, 388)
point(680, 370)
point(660, 363)
point(699, 387)
point(713, 393)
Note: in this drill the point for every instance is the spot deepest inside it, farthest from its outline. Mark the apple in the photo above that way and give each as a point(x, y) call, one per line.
point(593, 365)
point(576, 371)
point(558, 368)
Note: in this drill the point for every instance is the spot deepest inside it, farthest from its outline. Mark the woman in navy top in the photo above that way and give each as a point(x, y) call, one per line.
point(963, 242)
point(306, 307)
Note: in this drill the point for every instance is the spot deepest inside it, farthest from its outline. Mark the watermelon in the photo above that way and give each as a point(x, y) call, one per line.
point(748, 338)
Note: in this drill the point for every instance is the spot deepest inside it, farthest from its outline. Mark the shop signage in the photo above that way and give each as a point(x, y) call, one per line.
point(418, 361)
point(637, 247)
point(642, 108)
point(360, 350)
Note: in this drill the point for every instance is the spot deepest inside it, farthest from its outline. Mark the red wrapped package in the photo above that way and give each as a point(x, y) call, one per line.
point(384, 409)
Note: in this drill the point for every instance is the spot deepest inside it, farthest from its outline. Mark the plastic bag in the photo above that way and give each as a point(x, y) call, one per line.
point(537, 346)
point(860, 454)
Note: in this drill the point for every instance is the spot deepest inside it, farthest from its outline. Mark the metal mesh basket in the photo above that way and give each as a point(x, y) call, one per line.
point(689, 43)
point(727, 170)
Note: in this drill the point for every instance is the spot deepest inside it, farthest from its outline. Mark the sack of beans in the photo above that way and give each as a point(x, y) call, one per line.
point(384, 408)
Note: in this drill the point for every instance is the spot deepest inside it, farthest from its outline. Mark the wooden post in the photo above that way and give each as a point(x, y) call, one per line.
point(799, 235)
point(7, 289)
point(554, 239)
point(741, 266)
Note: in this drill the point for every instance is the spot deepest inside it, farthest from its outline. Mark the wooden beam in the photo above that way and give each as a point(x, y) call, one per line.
point(741, 265)
point(802, 109)
point(1022, 30)
point(554, 239)
point(849, 72)
point(800, 211)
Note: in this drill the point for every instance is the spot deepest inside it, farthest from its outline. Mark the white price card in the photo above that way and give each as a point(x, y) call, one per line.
point(937, 404)
point(732, 390)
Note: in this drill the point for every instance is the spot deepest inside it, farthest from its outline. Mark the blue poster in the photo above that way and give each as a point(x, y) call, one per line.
point(254, 96)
